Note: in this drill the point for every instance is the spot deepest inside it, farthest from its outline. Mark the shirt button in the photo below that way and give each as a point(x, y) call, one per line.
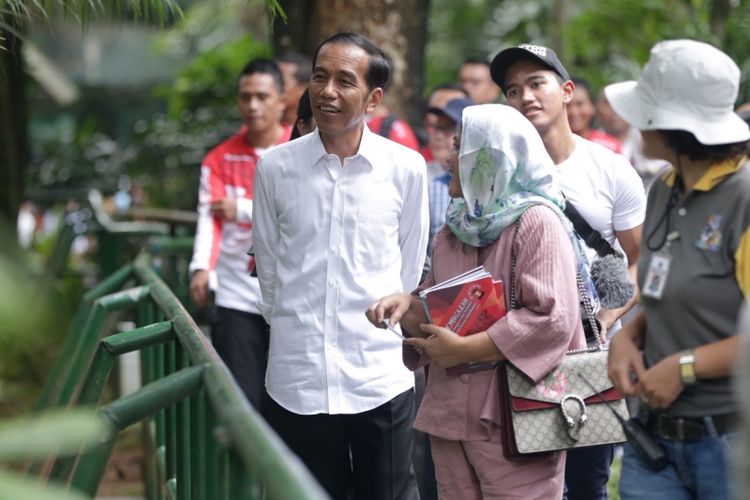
point(334, 251)
point(332, 283)
point(464, 378)
point(681, 211)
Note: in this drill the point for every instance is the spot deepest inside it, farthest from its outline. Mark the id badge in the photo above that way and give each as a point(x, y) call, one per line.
point(656, 279)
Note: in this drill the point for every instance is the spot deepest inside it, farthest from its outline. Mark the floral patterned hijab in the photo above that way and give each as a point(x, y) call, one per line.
point(504, 169)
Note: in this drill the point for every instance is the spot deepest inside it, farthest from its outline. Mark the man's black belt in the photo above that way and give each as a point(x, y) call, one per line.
point(691, 428)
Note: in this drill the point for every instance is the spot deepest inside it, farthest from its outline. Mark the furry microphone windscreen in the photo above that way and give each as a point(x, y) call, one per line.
point(612, 281)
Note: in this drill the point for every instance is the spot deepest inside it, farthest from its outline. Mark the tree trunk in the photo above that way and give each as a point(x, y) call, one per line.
point(399, 28)
point(13, 119)
point(719, 16)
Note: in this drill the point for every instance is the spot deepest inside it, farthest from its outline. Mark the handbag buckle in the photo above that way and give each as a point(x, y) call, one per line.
point(572, 428)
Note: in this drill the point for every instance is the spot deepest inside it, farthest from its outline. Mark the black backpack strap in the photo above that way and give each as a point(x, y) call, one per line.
point(386, 125)
point(592, 238)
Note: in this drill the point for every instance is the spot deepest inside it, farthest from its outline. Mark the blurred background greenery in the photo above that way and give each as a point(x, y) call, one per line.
point(151, 99)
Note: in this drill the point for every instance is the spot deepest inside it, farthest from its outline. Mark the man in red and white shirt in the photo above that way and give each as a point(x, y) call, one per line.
point(225, 233)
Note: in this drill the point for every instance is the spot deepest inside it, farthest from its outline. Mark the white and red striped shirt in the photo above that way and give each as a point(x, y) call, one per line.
point(221, 246)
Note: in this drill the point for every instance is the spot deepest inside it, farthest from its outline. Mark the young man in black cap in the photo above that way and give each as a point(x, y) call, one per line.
point(600, 184)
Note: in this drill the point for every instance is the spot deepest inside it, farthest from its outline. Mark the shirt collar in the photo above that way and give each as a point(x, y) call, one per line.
point(713, 176)
point(368, 148)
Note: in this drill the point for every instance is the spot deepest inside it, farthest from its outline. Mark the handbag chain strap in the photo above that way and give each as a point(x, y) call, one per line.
point(585, 299)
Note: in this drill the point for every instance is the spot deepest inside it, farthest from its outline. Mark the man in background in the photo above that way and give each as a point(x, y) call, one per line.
point(632, 144)
point(475, 78)
point(224, 232)
point(296, 71)
point(440, 139)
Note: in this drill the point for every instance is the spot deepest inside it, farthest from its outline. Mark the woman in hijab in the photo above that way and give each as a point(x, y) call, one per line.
point(677, 355)
point(502, 177)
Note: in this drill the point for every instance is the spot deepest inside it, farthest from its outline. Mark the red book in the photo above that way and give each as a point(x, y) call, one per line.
point(467, 304)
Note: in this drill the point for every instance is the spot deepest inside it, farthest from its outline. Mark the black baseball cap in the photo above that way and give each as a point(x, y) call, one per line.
point(508, 57)
point(453, 109)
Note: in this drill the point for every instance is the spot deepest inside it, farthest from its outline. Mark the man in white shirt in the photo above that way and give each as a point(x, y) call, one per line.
point(600, 184)
point(340, 219)
point(225, 204)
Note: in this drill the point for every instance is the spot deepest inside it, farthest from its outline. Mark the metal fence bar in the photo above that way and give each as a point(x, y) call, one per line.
point(90, 335)
point(67, 358)
point(115, 345)
point(198, 444)
point(128, 410)
point(101, 367)
point(208, 442)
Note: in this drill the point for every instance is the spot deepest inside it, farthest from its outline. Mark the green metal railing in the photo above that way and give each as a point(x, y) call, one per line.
point(204, 440)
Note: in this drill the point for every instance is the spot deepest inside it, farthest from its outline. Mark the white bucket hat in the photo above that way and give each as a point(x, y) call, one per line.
point(686, 85)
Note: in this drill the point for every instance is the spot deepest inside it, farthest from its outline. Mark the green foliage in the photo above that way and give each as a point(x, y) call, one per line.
point(32, 322)
point(17, 12)
point(211, 77)
point(600, 41)
point(55, 433)
point(611, 41)
point(14, 486)
point(161, 152)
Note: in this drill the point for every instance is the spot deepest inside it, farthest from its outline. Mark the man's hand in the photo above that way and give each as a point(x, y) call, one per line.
point(225, 209)
point(391, 308)
point(199, 288)
point(625, 362)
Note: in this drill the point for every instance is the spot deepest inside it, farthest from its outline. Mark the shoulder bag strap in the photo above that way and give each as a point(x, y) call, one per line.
point(592, 237)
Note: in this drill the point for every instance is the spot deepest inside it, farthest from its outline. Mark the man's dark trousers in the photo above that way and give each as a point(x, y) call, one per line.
point(241, 340)
point(362, 456)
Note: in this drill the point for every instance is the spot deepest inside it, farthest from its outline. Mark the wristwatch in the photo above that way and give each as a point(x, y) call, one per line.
point(687, 367)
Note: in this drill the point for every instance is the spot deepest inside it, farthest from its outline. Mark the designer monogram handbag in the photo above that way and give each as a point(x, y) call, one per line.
point(562, 411)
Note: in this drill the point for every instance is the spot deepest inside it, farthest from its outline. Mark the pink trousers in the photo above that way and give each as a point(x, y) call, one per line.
point(478, 470)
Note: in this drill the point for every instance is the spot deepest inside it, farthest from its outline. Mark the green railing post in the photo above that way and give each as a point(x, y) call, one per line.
point(88, 338)
point(101, 367)
point(182, 449)
point(67, 356)
point(198, 445)
point(116, 345)
point(129, 410)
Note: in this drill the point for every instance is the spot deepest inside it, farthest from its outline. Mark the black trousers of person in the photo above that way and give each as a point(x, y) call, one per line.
point(587, 472)
point(361, 456)
point(241, 340)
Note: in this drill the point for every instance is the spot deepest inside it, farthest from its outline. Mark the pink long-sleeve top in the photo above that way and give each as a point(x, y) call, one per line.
point(534, 338)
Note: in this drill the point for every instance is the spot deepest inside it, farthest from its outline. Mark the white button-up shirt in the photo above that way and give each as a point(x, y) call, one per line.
point(329, 241)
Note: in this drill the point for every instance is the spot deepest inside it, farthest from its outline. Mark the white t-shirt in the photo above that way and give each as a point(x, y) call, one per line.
point(605, 189)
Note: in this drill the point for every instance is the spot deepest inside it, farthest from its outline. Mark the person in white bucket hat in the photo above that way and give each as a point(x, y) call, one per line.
point(694, 270)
